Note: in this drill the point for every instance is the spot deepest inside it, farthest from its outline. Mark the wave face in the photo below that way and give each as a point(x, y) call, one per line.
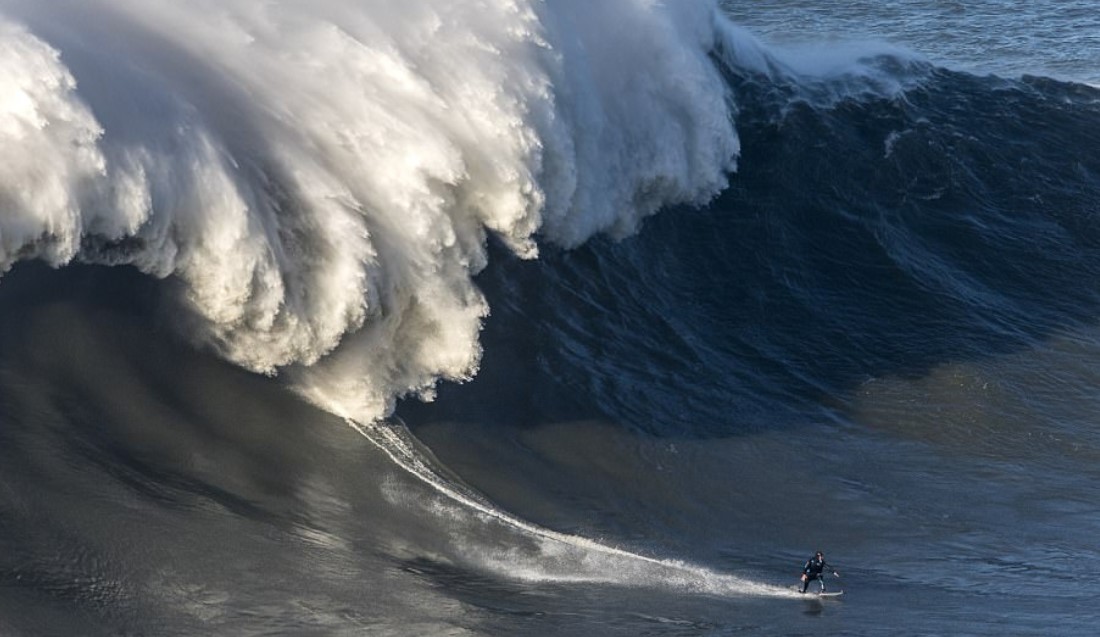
point(874, 229)
point(882, 336)
point(322, 179)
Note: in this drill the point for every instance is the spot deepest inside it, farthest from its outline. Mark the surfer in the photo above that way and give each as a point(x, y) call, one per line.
point(813, 569)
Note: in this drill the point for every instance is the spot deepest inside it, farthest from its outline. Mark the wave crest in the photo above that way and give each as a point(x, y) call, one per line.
point(322, 177)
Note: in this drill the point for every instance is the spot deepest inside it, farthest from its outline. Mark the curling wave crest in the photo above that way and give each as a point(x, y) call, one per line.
point(322, 177)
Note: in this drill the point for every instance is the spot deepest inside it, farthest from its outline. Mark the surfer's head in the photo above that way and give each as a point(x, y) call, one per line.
point(819, 555)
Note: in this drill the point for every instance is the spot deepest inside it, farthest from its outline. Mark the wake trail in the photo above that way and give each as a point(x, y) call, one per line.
point(564, 557)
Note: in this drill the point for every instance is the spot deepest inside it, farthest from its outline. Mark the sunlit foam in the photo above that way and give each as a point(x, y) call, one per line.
point(322, 177)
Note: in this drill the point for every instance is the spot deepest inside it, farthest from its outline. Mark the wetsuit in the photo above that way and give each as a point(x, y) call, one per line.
point(812, 571)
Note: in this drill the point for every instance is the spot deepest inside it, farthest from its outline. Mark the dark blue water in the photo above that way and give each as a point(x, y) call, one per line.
point(880, 341)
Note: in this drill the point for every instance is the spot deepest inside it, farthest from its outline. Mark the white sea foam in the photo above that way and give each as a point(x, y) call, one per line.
point(553, 556)
point(322, 175)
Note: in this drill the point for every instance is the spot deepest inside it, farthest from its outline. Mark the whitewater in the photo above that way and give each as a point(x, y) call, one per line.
point(322, 179)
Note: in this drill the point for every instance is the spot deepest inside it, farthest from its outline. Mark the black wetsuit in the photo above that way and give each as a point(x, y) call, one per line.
point(813, 569)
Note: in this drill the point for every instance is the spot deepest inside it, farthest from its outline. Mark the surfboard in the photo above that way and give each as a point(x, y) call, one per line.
point(811, 594)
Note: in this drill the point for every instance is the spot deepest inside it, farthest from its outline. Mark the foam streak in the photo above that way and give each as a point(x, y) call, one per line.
point(561, 557)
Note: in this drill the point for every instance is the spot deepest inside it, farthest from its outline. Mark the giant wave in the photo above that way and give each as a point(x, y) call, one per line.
point(322, 179)
point(882, 311)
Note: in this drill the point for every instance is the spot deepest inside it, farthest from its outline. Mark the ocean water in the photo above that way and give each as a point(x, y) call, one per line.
point(548, 318)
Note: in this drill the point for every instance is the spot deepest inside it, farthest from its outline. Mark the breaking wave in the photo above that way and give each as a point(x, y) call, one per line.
point(322, 178)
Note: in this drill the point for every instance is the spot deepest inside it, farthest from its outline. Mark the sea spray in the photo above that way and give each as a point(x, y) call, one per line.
point(322, 178)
